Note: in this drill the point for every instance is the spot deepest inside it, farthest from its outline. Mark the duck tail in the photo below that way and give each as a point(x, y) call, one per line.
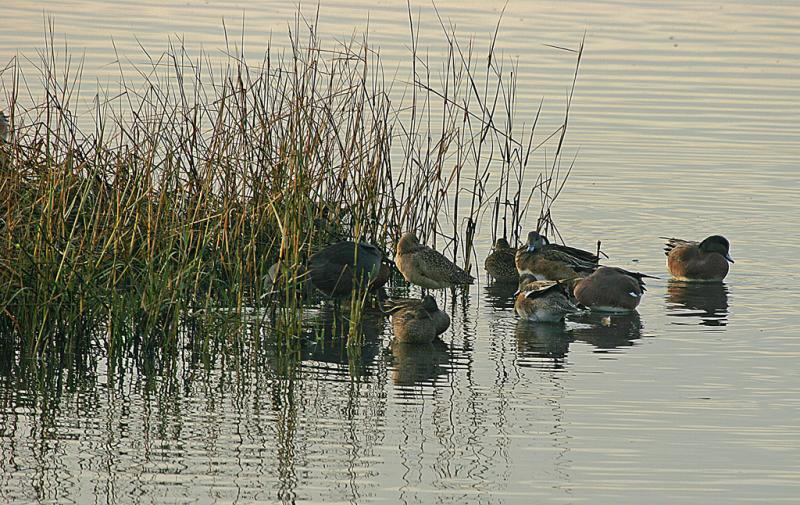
point(672, 243)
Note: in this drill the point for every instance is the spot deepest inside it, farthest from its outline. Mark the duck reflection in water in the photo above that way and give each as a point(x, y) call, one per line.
point(500, 295)
point(543, 342)
point(706, 301)
point(418, 363)
point(607, 332)
point(325, 338)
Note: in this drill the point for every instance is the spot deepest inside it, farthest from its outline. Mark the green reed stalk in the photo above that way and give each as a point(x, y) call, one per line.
point(165, 208)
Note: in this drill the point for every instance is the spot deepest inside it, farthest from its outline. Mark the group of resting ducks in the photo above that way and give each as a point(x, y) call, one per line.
point(554, 280)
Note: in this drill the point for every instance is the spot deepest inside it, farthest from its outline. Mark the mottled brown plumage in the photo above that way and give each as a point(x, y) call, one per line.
point(426, 267)
point(500, 263)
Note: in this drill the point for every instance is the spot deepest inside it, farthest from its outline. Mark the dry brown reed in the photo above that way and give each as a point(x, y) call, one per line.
point(120, 231)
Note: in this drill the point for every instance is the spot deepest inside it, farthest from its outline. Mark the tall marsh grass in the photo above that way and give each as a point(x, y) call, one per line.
point(197, 175)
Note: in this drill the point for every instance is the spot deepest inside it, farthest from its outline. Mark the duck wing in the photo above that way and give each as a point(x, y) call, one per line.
point(435, 265)
point(577, 253)
point(638, 276)
point(393, 305)
point(579, 265)
point(535, 289)
point(673, 242)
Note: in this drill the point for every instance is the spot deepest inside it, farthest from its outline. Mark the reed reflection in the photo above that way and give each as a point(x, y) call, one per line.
point(500, 295)
point(544, 342)
point(326, 340)
point(707, 301)
point(608, 331)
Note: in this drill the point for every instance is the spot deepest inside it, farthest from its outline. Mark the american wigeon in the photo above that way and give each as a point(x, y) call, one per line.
point(547, 261)
point(426, 267)
point(339, 268)
point(610, 289)
point(417, 321)
point(704, 261)
point(500, 263)
point(542, 301)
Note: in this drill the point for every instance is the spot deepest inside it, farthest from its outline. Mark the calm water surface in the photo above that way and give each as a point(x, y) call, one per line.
point(685, 121)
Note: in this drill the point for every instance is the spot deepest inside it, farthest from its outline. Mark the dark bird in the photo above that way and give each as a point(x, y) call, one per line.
point(341, 267)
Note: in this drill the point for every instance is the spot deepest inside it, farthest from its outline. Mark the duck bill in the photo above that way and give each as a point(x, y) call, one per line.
point(728, 257)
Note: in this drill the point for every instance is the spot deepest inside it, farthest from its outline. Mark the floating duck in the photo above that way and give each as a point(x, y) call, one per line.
point(417, 321)
point(543, 301)
point(693, 261)
point(611, 289)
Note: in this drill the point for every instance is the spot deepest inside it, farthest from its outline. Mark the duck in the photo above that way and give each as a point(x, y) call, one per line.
point(611, 289)
point(500, 263)
point(553, 262)
point(417, 321)
point(542, 301)
point(704, 261)
point(343, 266)
point(427, 267)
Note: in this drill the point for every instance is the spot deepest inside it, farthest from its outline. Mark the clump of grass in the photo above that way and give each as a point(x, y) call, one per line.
point(120, 230)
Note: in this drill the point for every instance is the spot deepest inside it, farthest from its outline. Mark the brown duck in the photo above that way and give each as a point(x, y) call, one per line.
point(611, 289)
point(553, 262)
point(704, 261)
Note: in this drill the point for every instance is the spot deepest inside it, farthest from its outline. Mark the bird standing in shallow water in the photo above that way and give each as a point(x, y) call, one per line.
point(426, 267)
point(500, 263)
point(704, 261)
point(417, 321)
point(546, 261)
point(542, 301)
point(611, 289)
point(341, 267)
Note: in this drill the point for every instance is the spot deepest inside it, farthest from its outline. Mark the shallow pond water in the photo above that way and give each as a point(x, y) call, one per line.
point(685, 123)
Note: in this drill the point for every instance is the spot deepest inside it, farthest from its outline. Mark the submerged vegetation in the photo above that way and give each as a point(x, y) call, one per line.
point(142, 227)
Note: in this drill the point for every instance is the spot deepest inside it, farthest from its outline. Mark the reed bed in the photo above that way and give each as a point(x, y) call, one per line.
point(134, 235)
